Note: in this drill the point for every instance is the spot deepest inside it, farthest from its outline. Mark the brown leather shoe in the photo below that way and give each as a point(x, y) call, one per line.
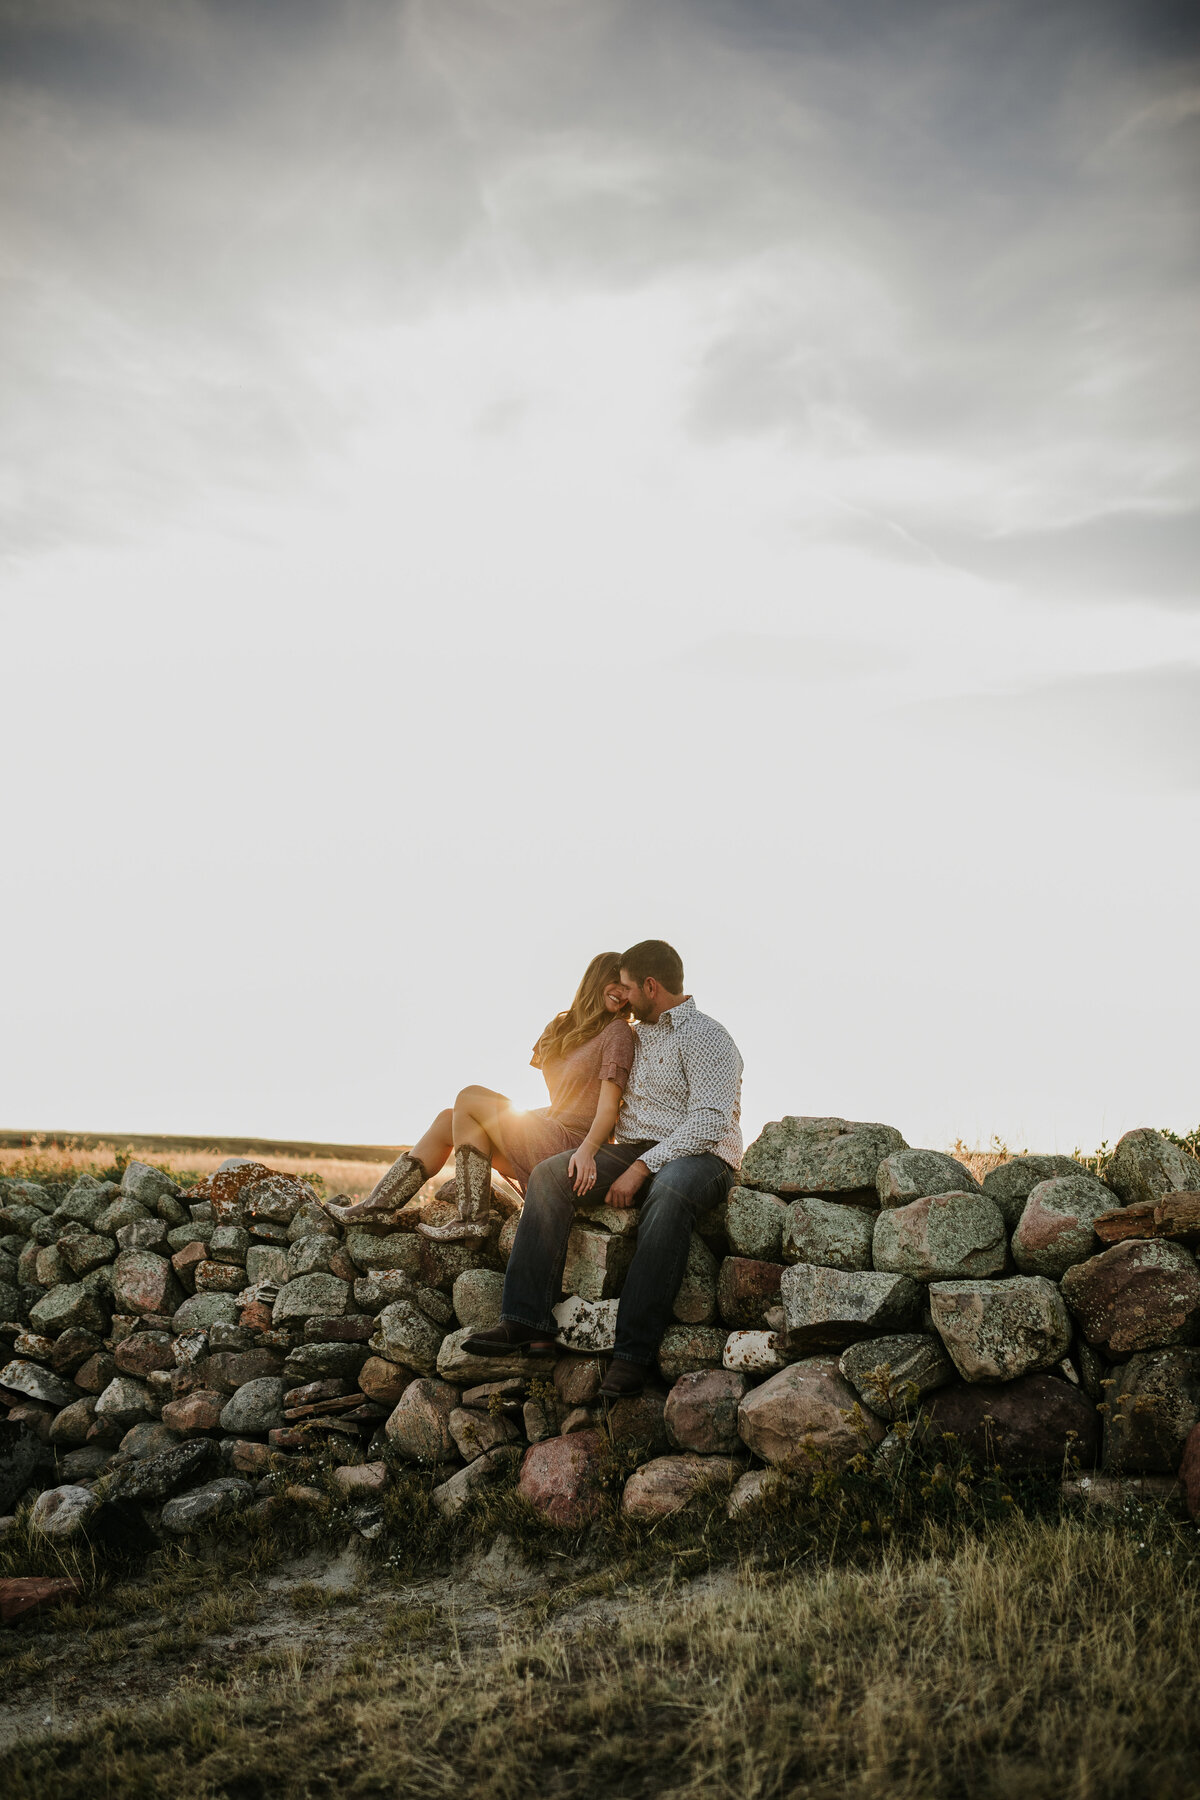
point(623, 1380)
point(503, 1339)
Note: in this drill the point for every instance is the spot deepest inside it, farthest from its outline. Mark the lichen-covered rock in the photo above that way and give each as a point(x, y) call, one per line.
point(267, 1262)
point(145, 1234)
point(120, 1214)
point(1010, 1184)
point(67, 1308)
point(577, 1379)
point(696, 1301)
point(562, 1478)
point(204, 1505)
point(1139, 1295)
point(486, 1471)
point(807, 1416)
point(941, 1238)
point(588, 1326)
point(62, 1512)
point(1151, 1407)
point(324, 1361)
point(85, 1202)
point(476, 1297)
point(144, 1352)
point(158, 1477)
point(145, 1184)
point(1145, 1166)
point(311, 1296)
point(456, 1364)
point(1032, 1423)
point(419, 1423)
point(701, 1411)
point(406, 1336)
point(255, 1408)
point(829, 1308)
point(398, 1250)
point(754, 1224)
point(144, 1282)
point(829, 1234)
point(275, 1198)
point(84, 1251)
point(200, 1311)
point(637, 1422)
point(1000, 1330)
point(125, 1401)
point(754, 1353)
point(892, 1375)
point(818, 1156)
point(597, 1263)
point(1055, 1229)
point(231, 1244)
point(746, 1289)
point(685, 1347)
point(915, 1174)
point(70, 1427)
point(37, 1383)
point(215, 1277)
point(668, 1483)
point(475, 1433)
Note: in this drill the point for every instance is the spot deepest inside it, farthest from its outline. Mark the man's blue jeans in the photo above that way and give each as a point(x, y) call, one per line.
point(671, 1202)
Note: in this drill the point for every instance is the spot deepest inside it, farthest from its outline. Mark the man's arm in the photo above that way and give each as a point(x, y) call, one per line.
point(714, 1072)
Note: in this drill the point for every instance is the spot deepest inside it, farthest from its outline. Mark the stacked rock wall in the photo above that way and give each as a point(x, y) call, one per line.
point(173, 1348)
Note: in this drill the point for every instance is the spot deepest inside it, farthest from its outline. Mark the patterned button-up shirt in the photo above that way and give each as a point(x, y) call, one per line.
point(685, 1091)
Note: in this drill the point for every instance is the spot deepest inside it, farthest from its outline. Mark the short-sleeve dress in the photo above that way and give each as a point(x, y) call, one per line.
point(526, 1139)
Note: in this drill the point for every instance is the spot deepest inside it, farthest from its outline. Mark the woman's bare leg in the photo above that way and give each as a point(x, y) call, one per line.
point(436, 1148)
point(475, 1110)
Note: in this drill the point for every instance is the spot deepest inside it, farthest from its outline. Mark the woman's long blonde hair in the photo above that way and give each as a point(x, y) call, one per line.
point(587, 1014)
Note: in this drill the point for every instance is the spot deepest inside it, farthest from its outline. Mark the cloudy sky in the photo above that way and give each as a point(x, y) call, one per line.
point(483, 481)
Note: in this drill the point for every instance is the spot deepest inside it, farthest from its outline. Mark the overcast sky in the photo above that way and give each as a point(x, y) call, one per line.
point(481, 483)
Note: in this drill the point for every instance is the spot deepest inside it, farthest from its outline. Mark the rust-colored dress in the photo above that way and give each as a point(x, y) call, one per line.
point(526, 1139)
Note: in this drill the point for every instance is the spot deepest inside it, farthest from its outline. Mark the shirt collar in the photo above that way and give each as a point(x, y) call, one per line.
point(675, 1015)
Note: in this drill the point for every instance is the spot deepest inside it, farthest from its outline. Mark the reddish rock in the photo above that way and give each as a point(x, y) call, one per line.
point(745, 1290)
point(94, 1375)
point(361, 1481)
point(577, 1379)
point(1189, 1472)
point(198, 1411)
point(562, 1478)
point(73, 1349)
point(257, 1316)
point(1150, 1409)
point(251, 1458)
point(310, 1392)
point(228, 1370)
point(665, 1485)
point(144, 1283)
point(384, 1381)
point(21, 1594)
point(1030, 1423)
point(222, 1190)
point(701, 1412)
point(71, 1426)
point(1140, 1295)
point(185, 1263)
point(219, 1277)
point(1175, 1216)
point(275, 1198)
point(636, 1422)
point(808, 1416)
point(144, 1351)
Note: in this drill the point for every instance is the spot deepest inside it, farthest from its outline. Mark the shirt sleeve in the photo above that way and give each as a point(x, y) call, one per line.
point(617, 1053)
point(714, 1073)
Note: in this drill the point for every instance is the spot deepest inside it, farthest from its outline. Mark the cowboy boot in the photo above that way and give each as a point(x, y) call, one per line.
point(394, 1189)
point(473, 1180)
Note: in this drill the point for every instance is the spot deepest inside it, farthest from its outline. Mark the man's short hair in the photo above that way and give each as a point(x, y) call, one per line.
point(653, 957)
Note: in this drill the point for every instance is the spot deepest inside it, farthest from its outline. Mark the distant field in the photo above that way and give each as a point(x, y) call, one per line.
point(351, 1169)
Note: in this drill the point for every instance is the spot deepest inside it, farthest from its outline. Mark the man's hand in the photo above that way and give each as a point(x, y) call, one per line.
point(626, 1188)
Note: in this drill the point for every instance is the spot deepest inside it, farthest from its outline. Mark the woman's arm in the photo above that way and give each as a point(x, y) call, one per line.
point(582, 1166)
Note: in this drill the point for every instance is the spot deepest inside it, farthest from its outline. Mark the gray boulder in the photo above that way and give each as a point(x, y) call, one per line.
point(146, 1185)
point(399, 1250)
point(158, 1477)
point(124, 1402)
point(419, 1424)
point(255, 1408)
point(406, 1336)
point(37, 1383)
point(68, 1307)
point(476, 1296)
point(84, 1251)
point(1010, 1185)
point(86, 1200)
point(942, 1237)
point(453, 1363)
point(828, 1234)
point(754, 1224)
point(1055, 1229)
point(311, 1296)
point(834, 1307)
point(892, 1374)
point(1001, 1330)
point(1153, 1405)
point(802, 1155)
point(686, 1347)
point(1145, 1166)
point(200, 1311)
point(62, 1512)
point(486, 1471)
point(914, 1174)
point(808, 1416)
point(204, 1505)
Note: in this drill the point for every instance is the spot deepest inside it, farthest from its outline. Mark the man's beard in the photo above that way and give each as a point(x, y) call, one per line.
point(641, 1012)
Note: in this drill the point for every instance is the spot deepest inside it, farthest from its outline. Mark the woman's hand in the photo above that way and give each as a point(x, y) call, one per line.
point(582, 1170)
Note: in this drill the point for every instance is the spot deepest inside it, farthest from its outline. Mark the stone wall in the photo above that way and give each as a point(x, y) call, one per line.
point(175, 1348)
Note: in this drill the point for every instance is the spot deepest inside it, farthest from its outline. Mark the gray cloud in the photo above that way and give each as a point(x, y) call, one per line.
point(953, 231)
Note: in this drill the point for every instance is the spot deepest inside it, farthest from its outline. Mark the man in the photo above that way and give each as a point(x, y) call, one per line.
point(677, 1150)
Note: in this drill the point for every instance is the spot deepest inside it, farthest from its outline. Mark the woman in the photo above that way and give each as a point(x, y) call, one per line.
point(585, 1054)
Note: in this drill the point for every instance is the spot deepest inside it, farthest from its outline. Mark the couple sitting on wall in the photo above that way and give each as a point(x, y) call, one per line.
point(642, 1113)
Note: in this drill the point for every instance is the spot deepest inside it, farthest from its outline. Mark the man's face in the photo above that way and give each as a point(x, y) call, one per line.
point(640, 1000)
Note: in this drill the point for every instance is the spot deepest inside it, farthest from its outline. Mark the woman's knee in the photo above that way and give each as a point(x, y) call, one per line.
point(467, 1098)
point(444, 1122)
